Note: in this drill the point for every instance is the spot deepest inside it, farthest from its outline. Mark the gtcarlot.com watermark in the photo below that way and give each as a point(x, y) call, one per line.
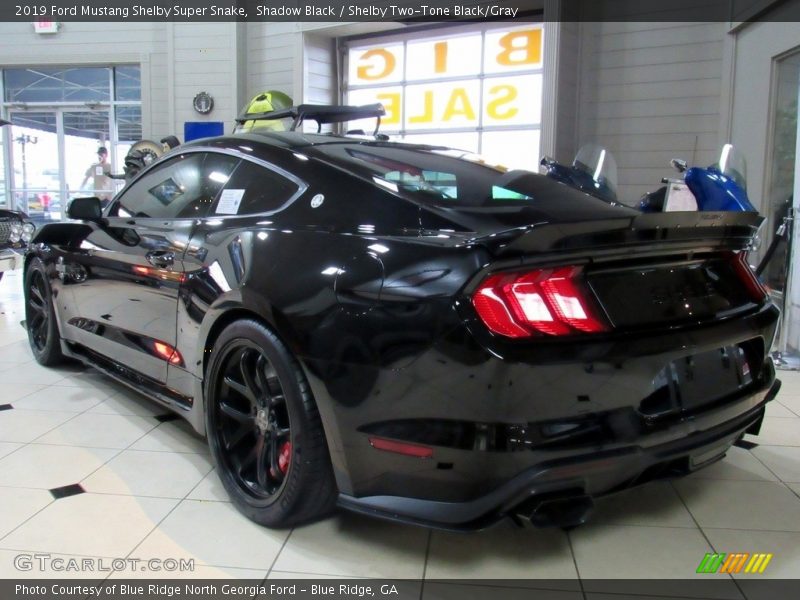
point(42, 562)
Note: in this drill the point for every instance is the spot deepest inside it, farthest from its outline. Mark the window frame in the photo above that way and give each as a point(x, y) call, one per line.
point(302, 186)
point(111, 105)
point(166, 164)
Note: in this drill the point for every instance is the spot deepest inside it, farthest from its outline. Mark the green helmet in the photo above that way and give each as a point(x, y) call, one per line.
point(265, 102)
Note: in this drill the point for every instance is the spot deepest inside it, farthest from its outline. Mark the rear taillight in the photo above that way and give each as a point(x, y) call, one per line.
point(547, 301)
point(754, 287)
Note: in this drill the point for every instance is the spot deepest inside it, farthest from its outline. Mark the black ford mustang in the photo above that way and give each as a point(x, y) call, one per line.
point(405, 332)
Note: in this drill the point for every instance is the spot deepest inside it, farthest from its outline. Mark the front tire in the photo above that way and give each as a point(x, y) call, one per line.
point(264, 429)
point(40, 318)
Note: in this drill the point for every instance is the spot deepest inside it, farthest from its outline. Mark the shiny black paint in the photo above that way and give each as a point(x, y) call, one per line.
point(370, 292)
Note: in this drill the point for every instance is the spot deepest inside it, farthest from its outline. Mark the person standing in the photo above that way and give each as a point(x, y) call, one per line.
point(100, 172)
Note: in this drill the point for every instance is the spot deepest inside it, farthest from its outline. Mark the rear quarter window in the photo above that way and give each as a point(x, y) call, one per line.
point(255, 189)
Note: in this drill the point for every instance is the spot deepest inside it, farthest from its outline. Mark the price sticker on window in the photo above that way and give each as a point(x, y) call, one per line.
point(229, 202)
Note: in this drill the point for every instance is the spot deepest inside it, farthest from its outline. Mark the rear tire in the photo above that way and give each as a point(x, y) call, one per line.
point(40, 318)
point(264, 429)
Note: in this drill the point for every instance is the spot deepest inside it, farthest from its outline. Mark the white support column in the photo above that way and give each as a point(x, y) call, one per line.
point(552, 39)
point(171, 79)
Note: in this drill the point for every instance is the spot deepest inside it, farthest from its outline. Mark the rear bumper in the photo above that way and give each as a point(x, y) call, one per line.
point(10, 260)
point(575, 480)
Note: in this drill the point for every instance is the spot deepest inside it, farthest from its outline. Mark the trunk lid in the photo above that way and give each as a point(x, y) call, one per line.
point(642, 271)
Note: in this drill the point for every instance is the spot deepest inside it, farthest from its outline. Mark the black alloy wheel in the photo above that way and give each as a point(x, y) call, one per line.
point(253, 422)
point(40, 319)
point(264, 429)
point(38, 315)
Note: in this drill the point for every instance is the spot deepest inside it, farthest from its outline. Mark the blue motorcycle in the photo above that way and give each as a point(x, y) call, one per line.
point(718, 187)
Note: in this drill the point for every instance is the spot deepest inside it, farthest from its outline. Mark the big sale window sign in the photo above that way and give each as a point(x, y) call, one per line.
point(479, 90)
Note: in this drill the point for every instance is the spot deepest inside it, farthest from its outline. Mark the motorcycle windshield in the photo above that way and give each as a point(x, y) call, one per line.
point(732, 164)
point(599, 165)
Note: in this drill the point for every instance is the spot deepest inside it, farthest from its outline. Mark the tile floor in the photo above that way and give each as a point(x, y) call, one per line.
point(150, 490)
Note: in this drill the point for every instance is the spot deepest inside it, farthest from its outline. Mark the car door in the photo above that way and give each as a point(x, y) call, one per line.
point(130, 267)
point(234, 240)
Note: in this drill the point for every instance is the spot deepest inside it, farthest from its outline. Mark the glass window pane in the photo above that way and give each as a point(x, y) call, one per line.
point(461, 141)
point(782, 163)
point(128, 83)
point(375, 64)
point(512, 100)
point(3, 197)
point(392, 100)
point(450, 57)
point(259, 190)
point(129, 131)
point(183, 187)
point(443, 105)
point(512, 149)
point(87, 170)
point(513, 50)
point(57, 84)
point(35, 182)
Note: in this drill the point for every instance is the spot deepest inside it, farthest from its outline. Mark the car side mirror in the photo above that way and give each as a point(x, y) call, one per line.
point(85, 209)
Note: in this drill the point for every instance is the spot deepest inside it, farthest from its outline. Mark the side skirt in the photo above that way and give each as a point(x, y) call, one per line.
point(142, 384)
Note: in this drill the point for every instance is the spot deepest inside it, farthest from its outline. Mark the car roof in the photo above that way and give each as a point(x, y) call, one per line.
point(296, 139)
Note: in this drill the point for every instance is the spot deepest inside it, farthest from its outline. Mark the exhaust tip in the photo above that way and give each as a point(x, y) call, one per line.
point(565, 512)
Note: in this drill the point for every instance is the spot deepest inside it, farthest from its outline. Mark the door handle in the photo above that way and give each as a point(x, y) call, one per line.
point(161, 259)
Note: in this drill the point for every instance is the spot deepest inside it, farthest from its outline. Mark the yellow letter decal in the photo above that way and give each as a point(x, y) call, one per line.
point(369, 71)
point(521, 48)
point(458, 97)
point(505, 94)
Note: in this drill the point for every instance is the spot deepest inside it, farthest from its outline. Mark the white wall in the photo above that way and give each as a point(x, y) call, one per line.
point(274, 58)
point(204, 57)
point(320, 76)
point(651, 92)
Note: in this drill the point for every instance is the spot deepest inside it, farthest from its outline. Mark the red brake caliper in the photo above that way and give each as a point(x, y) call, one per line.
point(285, 457)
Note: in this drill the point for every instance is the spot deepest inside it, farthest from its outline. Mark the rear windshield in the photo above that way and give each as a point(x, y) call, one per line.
point(438, 176)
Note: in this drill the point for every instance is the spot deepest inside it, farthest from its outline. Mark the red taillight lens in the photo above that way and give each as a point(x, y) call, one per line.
point(754, 287)
point(548, 301)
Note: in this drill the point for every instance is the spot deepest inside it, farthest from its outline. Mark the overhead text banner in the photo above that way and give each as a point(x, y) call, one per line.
point(266, 10)
point(407, 11)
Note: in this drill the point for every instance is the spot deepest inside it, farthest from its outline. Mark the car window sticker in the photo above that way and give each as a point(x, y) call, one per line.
point(229, 202)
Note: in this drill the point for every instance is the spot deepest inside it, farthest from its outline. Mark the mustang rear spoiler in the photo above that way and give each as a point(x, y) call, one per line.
point(731, 229)
point(321, 113)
